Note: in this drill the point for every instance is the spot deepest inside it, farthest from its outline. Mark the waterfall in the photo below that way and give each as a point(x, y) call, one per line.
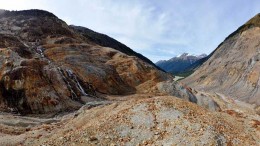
point(73, 94)
point(69, 77)
point(80, 87)
point(74, 77)
point(39, 51)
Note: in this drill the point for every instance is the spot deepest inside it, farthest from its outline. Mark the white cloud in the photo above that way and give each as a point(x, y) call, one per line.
point(157, 29)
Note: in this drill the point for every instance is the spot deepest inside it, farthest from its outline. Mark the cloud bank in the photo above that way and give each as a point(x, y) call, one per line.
point(157, 29)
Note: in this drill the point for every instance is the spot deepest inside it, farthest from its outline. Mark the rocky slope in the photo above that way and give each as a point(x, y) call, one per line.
point(181, 64)
point(106, 41)
point(234, 67)
point(161, 120)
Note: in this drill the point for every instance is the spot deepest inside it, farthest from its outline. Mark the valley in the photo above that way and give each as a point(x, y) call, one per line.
point(68, 85)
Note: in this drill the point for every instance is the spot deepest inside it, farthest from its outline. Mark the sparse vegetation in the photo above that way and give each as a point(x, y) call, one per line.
point(184, 74)
point(203, 77)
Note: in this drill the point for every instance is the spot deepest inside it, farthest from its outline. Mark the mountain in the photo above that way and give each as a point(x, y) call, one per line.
point(106, 41)
point(50, 67)
point(47, 66)
point(182, 63)
point(233, 68)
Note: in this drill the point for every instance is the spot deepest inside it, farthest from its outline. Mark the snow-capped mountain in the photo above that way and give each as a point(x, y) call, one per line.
point(180, 63)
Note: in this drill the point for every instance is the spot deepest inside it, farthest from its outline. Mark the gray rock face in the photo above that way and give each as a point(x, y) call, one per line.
point(184, 92)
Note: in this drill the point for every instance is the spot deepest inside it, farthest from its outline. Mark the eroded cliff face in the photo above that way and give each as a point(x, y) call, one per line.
point(234, 67)
point(30, 83)
point(48, 67)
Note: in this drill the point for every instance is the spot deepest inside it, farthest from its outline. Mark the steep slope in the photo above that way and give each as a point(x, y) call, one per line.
point(180, 64)
point(47, 67)
point(234, 67)
point(106, 41)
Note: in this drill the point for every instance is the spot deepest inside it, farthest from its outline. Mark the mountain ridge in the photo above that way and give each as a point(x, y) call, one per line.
point(94, 36)
point(31, 12)
point(181, 63)
point(107, 41)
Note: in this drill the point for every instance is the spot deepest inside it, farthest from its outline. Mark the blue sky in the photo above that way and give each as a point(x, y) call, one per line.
point(158, 29)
